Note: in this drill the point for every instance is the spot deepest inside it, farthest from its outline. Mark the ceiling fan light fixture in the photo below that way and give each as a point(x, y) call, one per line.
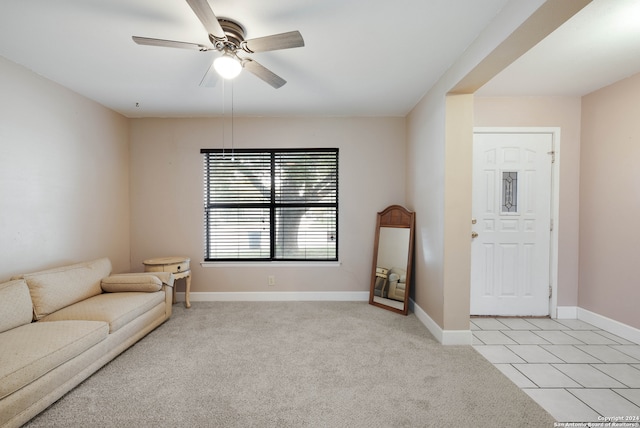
point(227, 66)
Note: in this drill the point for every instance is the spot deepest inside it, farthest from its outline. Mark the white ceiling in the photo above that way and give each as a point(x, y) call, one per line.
point(595, 48)
point(361, 57)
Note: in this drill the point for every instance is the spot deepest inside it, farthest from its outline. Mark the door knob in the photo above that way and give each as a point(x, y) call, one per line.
point(474, 234)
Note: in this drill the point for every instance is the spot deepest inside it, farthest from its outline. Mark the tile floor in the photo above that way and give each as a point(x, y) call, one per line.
point(575, 371)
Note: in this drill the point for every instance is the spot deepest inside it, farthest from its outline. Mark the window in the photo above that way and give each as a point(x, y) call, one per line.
point(263, 205)
point(510, 192)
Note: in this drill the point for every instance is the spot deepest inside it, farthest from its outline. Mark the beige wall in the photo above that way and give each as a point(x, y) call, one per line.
point(64, 181)
point(436, 130)
point(610, 202)
point(167, 194)
point(564, 113)
point(457, 205)
point(425, 196)
point(80, 152)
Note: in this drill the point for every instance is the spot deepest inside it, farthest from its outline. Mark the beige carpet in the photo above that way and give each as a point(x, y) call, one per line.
point(294, 364)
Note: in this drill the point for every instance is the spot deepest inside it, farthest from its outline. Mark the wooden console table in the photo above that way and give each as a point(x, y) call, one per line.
point(178, 266)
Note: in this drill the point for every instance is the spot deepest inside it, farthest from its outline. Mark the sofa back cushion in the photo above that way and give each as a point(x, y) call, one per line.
point(57, 288)
point(15, 305)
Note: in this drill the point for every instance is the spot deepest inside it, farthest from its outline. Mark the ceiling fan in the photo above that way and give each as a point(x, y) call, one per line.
point(227, 37)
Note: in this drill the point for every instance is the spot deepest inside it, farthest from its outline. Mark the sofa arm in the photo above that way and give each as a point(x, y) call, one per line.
point(144, 282)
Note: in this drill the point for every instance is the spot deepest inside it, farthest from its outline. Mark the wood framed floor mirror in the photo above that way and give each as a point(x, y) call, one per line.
point(392, 257)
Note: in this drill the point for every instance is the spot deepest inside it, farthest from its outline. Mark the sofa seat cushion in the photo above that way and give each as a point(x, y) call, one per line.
point(15, 305)
point(116, 309)
point(30, 351)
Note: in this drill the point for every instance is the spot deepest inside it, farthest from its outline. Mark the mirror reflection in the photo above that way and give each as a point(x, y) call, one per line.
point(391, 267)
point(392, 259)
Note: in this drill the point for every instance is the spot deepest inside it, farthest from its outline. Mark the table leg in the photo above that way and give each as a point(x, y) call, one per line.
point(187, 303)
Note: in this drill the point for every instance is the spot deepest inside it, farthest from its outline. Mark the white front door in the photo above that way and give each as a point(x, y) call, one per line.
point(512, 213)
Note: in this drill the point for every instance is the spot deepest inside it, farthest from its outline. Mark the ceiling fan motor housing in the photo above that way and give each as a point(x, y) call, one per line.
point(234, 32)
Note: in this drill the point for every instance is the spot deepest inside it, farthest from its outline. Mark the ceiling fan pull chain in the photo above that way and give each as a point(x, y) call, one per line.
point(232, 154)
point(223, 115)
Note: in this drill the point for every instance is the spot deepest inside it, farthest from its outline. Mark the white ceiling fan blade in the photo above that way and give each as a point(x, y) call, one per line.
point(292, 39)
point(263, 73)
point(210, 78)
point(168, 43)
point(206, 16)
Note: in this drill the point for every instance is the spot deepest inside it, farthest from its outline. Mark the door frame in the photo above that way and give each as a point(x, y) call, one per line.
point(555, 198)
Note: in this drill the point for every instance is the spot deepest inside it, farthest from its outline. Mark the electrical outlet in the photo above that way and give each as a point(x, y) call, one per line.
point(271, 279)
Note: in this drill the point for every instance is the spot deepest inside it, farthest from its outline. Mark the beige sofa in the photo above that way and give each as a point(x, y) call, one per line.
point(59, 326)
point(397, 283)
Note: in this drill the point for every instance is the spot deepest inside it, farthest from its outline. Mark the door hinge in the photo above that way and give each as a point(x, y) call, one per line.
point(553, 156)
point(550, 291)
point(551, 225)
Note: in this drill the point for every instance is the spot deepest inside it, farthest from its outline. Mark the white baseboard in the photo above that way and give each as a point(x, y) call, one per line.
point(612, 326)
point(607, 324)
point(445, 337)
point(276, 296)
point(567, 312)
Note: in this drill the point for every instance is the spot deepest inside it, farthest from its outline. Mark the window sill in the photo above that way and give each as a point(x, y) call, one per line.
point(269, 264)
